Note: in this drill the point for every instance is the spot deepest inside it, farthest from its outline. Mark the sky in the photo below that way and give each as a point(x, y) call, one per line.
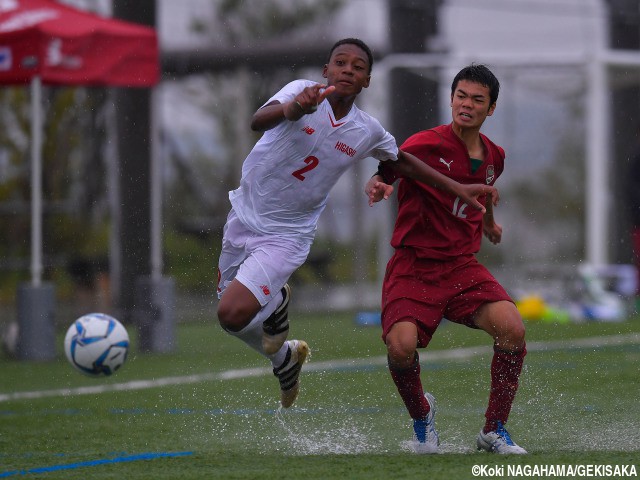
point(522, 26)
point(466, 25)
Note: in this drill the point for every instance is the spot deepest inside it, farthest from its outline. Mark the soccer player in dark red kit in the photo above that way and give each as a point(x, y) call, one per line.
point(434, 273)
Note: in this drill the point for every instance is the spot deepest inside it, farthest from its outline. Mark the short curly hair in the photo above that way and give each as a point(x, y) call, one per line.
point(358, 43)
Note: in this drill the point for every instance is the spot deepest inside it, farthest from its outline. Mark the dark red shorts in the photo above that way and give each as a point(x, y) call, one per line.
point(424, 291)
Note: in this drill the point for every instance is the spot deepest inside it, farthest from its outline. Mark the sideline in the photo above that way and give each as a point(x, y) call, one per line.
point(329, 365)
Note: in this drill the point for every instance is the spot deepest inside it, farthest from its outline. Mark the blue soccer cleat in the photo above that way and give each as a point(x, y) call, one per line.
point(425, 437)
point(499, 441)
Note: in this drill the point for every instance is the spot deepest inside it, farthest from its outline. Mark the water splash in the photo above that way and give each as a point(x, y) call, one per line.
point(336, 436)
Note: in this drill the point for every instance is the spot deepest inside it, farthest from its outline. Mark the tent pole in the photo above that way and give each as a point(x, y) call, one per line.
point(157, 162)
point(36, 181)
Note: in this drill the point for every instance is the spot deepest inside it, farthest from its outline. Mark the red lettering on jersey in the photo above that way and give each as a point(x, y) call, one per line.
point(308, 130)
point(346, 149)
point(265, 289)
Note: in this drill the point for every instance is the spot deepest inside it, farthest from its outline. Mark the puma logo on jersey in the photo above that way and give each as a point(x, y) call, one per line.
point(308, 130)
point(448, 164)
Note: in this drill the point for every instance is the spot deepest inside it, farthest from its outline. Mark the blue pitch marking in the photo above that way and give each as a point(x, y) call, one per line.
point(95, 463)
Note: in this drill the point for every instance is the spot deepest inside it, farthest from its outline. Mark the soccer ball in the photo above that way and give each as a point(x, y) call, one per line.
point(96, 344)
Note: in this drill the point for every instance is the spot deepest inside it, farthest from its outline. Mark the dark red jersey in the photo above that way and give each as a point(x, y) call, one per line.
point(433, 222)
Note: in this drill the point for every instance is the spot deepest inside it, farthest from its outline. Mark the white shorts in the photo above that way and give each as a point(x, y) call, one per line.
point(262, 263)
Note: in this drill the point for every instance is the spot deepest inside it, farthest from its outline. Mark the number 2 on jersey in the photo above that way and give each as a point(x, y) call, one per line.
point(312, 162)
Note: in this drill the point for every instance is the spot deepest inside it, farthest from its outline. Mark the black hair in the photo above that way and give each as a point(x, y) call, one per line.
point(478, 74)
point(358, 43)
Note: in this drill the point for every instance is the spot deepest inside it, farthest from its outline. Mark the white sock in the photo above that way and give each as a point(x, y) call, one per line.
point(252, 333)
point(277, 359)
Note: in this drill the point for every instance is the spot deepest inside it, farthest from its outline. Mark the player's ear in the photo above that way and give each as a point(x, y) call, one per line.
point(367, 82)
point(491, 109)
point(324, 70)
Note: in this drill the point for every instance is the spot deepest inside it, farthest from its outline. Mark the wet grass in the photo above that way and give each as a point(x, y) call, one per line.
point(577, 405)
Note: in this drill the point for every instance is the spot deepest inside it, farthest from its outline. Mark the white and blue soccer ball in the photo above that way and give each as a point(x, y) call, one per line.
point(96, 344)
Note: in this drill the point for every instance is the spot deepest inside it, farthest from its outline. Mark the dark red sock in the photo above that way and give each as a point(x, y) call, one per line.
point(409, 386)
point(505, 371)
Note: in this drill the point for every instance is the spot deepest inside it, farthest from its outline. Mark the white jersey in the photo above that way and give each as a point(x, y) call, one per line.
point(287, 177)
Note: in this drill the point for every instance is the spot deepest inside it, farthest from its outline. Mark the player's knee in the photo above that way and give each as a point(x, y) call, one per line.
point(513, 336)
point(518, 331)
point(400, 353)
point(232, 317)
point(224, 318)
point(401, 341)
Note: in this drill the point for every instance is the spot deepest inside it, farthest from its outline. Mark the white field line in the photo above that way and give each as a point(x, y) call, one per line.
point(429, 356)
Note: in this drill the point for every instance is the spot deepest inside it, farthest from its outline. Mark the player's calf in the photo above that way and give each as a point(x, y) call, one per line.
point(276, 328)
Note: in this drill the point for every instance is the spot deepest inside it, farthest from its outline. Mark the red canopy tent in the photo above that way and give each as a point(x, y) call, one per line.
point(45, 42)
point(65, 46)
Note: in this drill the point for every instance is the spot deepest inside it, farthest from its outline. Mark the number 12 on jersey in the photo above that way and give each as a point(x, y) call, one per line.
point(459, 208)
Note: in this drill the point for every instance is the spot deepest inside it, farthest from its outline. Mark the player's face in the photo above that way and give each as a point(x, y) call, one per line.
point(470, 104)
point(347, 70)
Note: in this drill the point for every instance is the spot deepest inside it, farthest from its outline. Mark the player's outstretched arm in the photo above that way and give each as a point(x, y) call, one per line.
point(306, 102)
point(377, 190)
point(491, 229)
point(410, 166)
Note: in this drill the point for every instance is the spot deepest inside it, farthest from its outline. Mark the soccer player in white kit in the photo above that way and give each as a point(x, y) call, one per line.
point(312, 134)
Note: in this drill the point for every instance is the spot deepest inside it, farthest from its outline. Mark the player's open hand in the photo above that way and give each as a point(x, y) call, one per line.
point(470, 193)
point(377, 190)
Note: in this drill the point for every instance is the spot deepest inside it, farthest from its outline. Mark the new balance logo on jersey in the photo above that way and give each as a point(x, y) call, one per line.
point(346, 149)
point(448, 164)
point(308, 130)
